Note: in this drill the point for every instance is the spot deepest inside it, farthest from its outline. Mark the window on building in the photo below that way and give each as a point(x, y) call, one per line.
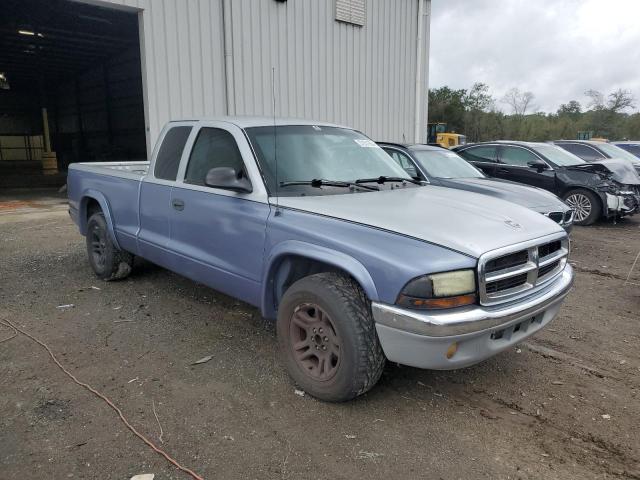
point(213, 148)
point(351, 11)
point(168, 159)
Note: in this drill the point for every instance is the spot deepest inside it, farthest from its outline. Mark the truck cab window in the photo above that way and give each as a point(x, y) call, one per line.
point(168, 158)
point(213, 148)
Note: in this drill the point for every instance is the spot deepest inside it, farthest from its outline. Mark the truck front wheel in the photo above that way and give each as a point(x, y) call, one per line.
point(327, 337)
point(105, 259)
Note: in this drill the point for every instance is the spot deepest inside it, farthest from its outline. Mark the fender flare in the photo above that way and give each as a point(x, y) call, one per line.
point(91, 194)
point(314, 252)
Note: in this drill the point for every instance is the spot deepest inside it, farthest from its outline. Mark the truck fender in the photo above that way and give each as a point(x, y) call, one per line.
point(91, 194)
point(314, 252)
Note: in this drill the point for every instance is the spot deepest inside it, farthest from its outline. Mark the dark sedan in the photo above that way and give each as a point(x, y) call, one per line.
point(594, 151)
point(442, 167)
point(608, 188)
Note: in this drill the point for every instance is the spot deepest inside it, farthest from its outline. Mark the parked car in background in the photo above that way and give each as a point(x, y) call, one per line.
point(631, 146)
point(320, 229)
point(608, 188)
point(595, 151)
point(442, 167)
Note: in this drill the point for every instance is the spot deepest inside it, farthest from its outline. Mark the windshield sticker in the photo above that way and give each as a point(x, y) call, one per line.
point(365, 143)
point(451, 154)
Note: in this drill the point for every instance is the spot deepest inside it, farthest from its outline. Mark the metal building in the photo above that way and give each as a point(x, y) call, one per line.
point(103, 76)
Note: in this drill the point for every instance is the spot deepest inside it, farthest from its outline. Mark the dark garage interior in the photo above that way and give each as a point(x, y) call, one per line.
point(70, 89)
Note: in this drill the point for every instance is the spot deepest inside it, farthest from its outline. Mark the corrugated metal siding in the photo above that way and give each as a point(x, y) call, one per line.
point(327, 70)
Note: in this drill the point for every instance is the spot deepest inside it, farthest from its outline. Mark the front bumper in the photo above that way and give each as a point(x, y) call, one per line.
point(422, 340)
point(627, 203)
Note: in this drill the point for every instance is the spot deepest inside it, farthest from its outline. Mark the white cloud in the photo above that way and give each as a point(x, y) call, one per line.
point(557, 49)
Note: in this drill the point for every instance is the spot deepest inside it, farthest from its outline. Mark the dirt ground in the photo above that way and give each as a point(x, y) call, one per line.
point(563, 405)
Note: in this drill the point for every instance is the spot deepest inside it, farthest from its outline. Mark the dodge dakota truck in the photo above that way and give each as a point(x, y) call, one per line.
point(325, 233)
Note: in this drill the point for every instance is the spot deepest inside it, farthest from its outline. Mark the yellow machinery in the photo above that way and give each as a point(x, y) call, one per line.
point(437, 133)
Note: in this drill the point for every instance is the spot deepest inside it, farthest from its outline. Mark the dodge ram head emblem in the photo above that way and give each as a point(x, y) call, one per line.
point(513, 224)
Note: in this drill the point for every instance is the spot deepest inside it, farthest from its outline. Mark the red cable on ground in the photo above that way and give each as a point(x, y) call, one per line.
point(194, 475)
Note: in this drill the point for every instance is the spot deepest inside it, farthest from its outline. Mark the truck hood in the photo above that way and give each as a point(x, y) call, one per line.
point(619, 169)
point(530, 197)
point(467, 222)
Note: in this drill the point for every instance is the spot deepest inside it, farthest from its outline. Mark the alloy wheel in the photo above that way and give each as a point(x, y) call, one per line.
point(315, 342)
point(580, 204)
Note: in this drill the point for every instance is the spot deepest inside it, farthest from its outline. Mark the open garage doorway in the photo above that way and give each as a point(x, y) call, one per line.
point(70, 89)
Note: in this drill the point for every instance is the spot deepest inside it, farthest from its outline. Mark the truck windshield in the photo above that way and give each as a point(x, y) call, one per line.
point(445, 164)
point(557, 155)
point(310, 152)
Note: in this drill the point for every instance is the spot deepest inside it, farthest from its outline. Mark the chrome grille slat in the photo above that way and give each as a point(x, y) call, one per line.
point(519, 279)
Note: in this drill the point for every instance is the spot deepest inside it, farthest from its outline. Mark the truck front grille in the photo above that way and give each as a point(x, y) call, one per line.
point(512, 272)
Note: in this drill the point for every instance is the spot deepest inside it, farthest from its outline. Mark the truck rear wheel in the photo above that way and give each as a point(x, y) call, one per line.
point(328, 339)
point(105, 259)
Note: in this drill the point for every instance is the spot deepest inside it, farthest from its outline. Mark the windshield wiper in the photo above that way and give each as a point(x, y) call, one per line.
point(384, 179)
point(321, 182)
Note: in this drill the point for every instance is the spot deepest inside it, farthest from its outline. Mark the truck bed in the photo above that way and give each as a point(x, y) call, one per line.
point(137, 169)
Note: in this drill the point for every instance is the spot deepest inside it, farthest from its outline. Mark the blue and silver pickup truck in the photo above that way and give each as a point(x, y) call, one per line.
point(319, 228)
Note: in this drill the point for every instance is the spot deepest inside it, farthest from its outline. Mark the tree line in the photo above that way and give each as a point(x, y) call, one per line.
point(475, 113)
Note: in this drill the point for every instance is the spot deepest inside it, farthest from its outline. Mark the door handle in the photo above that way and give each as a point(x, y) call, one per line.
point(503, 170)
point(178, 204)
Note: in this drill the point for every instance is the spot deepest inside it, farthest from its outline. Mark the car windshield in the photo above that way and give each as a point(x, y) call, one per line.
point(559, 156)
point(311, 152)
point(617, 152)
point(445, 164)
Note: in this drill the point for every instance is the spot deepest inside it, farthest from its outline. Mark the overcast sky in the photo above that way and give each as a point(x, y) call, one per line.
point(556, 49)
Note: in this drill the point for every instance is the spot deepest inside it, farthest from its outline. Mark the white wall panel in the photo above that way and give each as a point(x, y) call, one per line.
point(327, 70)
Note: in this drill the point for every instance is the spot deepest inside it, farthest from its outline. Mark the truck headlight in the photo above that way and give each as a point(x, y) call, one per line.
point(439, 290)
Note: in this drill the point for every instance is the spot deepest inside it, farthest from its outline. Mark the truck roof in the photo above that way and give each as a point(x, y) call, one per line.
point(247, 121)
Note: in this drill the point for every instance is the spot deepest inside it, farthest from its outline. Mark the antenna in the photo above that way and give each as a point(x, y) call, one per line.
point(275, 134)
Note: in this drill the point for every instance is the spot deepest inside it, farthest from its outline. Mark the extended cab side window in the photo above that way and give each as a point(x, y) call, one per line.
point(479, 154)
point(168, 158)
point(213, 148)
point(585, 152)
point(517, 156)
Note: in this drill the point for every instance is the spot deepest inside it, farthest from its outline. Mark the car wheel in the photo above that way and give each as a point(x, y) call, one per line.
point(327, 337)
point(585, 205)
point(107, 261)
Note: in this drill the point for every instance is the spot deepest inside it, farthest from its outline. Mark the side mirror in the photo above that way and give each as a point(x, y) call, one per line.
point(539, 165)
point(229, 179)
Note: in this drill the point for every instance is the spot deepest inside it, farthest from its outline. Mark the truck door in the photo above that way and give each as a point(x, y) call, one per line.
point(155, 194)
point(218, 235)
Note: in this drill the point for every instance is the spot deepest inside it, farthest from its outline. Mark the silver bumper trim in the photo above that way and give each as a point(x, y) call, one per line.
point(475, 318)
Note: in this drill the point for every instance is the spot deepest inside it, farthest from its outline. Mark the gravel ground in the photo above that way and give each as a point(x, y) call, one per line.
point(562, 405)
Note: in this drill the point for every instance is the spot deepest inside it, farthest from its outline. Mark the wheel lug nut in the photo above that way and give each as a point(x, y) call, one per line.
point(324, 347)
point(314, 330)
point(320, 330)
point(326, 339)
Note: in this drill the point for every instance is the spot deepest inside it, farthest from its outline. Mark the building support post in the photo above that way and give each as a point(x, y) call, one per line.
point(418, 127)
point(228, 57)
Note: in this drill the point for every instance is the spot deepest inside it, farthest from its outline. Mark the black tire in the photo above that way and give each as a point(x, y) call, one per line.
point(105, 259)
point(586, 206)
point(339, 300)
